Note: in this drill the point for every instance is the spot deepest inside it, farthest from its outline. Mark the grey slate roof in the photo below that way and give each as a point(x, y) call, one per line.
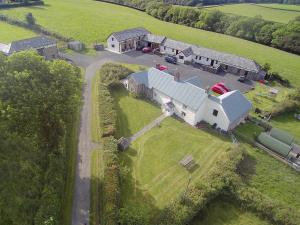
point(31, 43)
point(226, 58)
point(182, 92)
point(154, 38)
point(235, 105)
point(130, 33)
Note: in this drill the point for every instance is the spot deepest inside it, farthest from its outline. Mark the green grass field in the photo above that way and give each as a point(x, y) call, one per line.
point(222, 211)
point(251, 10)
point(273, 178)
point(132, 114)
point(92, 21)
point(282, 6)
point(11, 33)
point(154, 175)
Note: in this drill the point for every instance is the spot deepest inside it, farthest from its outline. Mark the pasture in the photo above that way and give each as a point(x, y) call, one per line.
point(11, 33)
point(92, 21)
point(282, 6)
point(251, 10)
point(215, 214)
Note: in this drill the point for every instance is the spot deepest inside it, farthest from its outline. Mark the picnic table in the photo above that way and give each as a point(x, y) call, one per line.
point(187, 162)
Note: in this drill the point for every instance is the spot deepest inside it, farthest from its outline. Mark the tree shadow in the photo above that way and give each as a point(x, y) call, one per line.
point(132, 192)
point(246, 168)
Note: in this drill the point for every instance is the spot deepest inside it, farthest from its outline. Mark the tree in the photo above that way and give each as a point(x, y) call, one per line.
point(30, 18)
point(131, 215)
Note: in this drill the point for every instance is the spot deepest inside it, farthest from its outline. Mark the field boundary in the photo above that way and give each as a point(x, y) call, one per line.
point(263, 6)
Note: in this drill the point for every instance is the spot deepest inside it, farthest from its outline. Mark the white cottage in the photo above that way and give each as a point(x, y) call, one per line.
point(126, 40)
point(188, 101)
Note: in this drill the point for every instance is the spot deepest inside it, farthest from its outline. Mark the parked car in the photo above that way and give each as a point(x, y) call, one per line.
point(218, 89)
point(147, 50)
point(242, 79)
point(161, 67)
point(222, 85)
point(171, 59)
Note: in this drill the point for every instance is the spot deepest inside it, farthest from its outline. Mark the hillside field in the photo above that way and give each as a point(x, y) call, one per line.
point(11, 33)
point(91, 21)
point(282, 6)
point(251, 10)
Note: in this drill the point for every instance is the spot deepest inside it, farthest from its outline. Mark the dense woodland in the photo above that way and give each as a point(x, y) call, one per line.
point(37, 102)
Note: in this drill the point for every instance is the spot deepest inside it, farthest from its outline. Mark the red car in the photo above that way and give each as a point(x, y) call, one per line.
point(218, 89)
point(161, 67)
point(222, 85)
point(147, 50)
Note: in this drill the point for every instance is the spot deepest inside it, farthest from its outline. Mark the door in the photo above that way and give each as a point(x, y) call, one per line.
point(212, 62)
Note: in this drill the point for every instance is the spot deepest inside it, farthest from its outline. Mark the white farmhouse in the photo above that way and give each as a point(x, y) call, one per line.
point(126, 40)
point(188, 101)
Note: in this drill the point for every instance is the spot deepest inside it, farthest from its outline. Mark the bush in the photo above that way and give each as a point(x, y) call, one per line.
point(275, 212)
point(30, 18)
point(111, 182)
point(290, 104)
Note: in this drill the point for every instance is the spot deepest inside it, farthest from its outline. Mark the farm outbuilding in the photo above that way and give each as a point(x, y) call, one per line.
point(276, 145)
point(282, 136)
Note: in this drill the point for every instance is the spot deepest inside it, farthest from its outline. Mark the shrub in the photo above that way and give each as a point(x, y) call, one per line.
point(30, 18)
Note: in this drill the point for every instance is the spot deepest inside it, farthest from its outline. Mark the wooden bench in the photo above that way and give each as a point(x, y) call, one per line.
point(187, 162)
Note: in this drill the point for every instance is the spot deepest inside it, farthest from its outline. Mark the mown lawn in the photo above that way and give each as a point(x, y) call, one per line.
point(154, 176)
point(92, 21)
point(222, 211)
point(11, 33)
point(282, 6)
point(132, 114)
point(251, 10)
point(272, 177)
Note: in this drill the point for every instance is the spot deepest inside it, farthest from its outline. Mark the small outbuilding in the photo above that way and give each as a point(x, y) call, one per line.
point(123, 143)
point(76, 46)
point(274, 144)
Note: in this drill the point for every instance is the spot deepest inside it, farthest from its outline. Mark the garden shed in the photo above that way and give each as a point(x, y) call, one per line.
point(272, 143)
point(282, 136)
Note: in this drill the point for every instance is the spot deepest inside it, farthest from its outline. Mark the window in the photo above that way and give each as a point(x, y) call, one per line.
point(196, 57)
point(206, 59)
point(184, 106)
point(183, 113)
point(226, 67)
point(246, 73)
point(200, 57)
point(172, 50)
point(216, 62)
point(112, 39)
point(165, 47)
point(112, 46)
point(215, 112)
point(181, 57)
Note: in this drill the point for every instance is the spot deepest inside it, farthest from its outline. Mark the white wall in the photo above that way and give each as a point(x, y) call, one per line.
point(179, 107)
point(189, 58)
point(204, 60)
point(221, 119)
point(113, 44)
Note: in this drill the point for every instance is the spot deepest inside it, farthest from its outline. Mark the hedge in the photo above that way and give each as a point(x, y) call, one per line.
point(274, 211)
point(222, 176)
point(21, 4)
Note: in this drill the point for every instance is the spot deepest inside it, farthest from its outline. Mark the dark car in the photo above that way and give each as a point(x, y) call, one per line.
point(242, 79)
point(139, 48)
point(171, 59)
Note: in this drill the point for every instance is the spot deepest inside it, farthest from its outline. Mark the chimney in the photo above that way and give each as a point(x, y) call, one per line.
point(177, 76)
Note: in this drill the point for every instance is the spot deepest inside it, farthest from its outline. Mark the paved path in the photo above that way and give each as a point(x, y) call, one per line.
point(81, 201)
point(151, 125)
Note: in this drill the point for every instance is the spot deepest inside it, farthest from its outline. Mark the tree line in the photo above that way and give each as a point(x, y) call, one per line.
point(38, 99)
point(282, 36)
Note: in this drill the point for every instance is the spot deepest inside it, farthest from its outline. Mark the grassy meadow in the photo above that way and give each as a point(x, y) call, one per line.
point(92, 21)
point(251, 10)
point(215, 214)
point(282, 6)
point(11, 33)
